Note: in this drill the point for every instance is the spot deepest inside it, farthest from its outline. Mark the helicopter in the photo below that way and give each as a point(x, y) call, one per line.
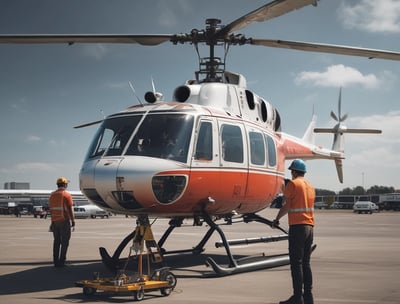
point(215, 152)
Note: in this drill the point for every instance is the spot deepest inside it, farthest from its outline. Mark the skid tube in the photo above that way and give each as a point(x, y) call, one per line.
point(235, 266)
point(248, 263)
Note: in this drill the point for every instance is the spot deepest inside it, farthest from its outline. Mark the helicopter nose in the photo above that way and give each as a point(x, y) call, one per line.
point(132, 183)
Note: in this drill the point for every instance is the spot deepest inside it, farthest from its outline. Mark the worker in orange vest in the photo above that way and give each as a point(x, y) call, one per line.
point(62, 220)
point(299, 196)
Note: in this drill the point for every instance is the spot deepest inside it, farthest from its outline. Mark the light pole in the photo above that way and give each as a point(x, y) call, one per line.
point(362, 175)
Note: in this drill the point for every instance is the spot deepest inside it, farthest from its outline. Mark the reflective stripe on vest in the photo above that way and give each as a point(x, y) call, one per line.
point(301, 210)
point(58, 209)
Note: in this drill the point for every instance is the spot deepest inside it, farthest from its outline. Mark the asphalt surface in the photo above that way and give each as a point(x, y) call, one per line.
point(356, 261)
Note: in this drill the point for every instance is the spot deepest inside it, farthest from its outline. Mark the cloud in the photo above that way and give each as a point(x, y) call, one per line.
point(38, 166)
point(381, 16)
point(375, 152)
point(170, 13)
point(96, 51)
point(367, 158)
point(20, 105)
point(338, 76)
point(389, 123)
point(33, 138)
point(57, 143)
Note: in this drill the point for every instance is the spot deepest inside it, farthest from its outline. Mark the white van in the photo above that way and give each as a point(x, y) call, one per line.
point(80, 212)
point(365, 207)
point(91, 211)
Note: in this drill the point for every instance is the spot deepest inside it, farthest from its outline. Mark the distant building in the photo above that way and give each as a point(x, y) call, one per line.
point(17, 186)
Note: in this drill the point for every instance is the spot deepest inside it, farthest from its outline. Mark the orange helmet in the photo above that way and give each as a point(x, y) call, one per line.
point(62, 180)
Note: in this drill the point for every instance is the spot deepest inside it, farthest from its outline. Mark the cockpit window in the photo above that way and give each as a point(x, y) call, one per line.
point(164, 136)
point(158, 135)
point(112, 136)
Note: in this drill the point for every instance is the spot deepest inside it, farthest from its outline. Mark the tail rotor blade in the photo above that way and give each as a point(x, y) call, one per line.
point(340, 103)
point(333, 115)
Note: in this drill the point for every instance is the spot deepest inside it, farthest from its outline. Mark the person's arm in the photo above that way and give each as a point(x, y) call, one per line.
point(70, 208)
point(282, 212)
point(72, 217)
point(285, 204)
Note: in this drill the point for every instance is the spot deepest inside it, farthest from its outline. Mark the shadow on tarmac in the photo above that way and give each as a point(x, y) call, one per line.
point(46, 277)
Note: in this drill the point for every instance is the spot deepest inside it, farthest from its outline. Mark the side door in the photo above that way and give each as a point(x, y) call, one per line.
point(204, 174)
point(233, 160)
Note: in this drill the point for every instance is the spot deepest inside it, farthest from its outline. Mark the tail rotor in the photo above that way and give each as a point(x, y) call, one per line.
point(338, 135)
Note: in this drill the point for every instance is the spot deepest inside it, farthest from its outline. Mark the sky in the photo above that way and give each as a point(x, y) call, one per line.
point(46, 90)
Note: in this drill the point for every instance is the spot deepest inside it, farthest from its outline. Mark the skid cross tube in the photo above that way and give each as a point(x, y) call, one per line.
point(174, 223)
point(268, 239)
point(234, 266)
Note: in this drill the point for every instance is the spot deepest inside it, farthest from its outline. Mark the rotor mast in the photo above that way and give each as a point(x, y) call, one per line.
point(211, 67)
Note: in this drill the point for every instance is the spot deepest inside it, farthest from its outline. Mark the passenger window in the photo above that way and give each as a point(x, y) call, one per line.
point(271, 151)
point(204, 142)
point(232, 144)
point(257, 148)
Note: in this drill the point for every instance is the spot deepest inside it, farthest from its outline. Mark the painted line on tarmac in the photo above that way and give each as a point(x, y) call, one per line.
point(344, 301)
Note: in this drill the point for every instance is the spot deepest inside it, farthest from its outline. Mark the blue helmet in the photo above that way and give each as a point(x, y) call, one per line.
point(298, 165)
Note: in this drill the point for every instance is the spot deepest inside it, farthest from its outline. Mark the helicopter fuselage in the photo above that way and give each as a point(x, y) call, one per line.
point(179, 158)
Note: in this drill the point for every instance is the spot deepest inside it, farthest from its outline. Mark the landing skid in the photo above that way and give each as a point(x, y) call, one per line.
point(234, 266)
point(249, 263)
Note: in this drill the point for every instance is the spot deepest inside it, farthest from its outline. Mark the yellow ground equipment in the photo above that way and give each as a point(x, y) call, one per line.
point(138, 283)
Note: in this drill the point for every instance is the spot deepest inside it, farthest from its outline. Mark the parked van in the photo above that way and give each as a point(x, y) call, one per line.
point(365, 207)
point(81, 212)
point(91, 211)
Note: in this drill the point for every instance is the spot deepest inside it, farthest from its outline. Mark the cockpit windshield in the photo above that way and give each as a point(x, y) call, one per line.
point(164, 136)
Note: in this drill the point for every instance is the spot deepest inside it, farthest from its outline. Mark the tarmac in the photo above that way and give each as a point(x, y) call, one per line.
point(356, 261)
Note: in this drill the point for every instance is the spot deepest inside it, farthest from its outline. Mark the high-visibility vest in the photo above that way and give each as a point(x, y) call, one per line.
point(300, 195)
point(58, 203)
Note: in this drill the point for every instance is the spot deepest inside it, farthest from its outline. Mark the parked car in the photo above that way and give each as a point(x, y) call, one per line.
point(39, 211)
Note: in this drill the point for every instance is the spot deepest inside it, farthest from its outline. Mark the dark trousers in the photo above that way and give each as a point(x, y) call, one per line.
point(300, 242)
point(62, 235)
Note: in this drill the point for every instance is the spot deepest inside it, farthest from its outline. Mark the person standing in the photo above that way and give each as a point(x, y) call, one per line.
point(299, 196)
point(62, 220)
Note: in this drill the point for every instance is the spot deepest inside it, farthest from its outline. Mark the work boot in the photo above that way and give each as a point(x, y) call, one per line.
point(308, 298)
point(293, 300)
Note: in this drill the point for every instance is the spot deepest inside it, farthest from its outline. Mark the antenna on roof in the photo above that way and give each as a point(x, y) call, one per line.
point(134, 93)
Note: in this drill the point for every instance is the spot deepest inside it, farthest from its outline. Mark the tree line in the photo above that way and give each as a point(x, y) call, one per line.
point(358, 190)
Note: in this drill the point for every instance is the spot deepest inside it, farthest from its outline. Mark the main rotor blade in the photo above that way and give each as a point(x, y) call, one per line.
point(89, 124)
point(85, 38)
point(347, 130)
point(328, 48)
point(268, 11)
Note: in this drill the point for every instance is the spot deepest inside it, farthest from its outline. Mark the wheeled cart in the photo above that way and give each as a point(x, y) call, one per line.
point(162, 279)
point(137, 284)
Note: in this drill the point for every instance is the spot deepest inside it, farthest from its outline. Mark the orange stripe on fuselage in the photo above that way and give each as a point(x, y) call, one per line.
point(294, 149)
point(232, 189)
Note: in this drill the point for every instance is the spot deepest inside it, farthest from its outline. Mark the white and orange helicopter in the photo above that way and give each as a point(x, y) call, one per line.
point(215, 152)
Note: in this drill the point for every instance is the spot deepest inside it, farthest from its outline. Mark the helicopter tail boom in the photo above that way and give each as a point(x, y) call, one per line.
point(306, 149)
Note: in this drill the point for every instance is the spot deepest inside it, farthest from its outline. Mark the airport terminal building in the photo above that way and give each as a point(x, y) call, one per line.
point(18, 196)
